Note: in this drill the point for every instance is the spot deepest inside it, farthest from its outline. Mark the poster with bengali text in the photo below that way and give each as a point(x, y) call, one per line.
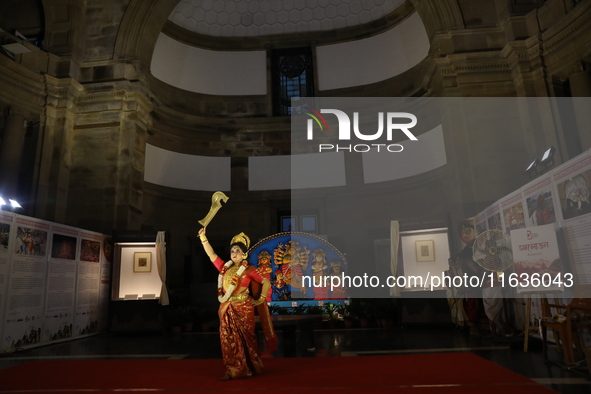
point(6, 226)
point(573, 186)
point(61, 284)
point(536, 260)
point(88, 308)
point(25, 298)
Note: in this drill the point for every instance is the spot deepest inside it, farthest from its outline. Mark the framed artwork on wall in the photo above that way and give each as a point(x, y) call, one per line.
point(425, 251)
point(142, 262)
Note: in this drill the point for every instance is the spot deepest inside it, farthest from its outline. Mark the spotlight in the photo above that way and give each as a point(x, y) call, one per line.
point(531, 169)
point(11, 205)
point(548, 157)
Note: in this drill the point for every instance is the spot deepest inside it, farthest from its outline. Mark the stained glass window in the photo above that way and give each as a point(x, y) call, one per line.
point(292, 73)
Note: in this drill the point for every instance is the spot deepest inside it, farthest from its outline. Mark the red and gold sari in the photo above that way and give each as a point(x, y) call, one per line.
point(238, 338)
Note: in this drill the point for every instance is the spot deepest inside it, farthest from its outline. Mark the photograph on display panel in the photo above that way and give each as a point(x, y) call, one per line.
point(4, 236)
point(90, 251)
point(575, 195)
point(540, 209)
point(30, 241)
point(494, 222)
point(63, 247)
point(539, 201)
point(514, 218)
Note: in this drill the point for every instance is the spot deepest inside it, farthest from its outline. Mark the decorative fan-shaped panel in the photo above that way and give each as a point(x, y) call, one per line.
point(290, 257)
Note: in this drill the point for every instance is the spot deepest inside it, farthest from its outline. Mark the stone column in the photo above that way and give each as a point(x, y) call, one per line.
point(11, 153)
point(580, 87)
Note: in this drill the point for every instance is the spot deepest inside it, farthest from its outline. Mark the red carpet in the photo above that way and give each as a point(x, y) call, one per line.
point(413, 374)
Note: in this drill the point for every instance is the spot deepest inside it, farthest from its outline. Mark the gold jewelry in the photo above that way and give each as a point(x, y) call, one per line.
point(242, 238)
point(260, 300)
point(238, 297)
point(232, 270)
point(233, 276)
point(203, 238)
point(204, 242)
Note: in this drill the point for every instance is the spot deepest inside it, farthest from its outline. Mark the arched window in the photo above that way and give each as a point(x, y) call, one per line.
point(292, 75)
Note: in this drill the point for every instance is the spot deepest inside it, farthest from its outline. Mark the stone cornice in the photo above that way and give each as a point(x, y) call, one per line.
point(470, 62)
point(11, 72)
point(62, 87)
point(115, 91)
point(574, 22)
point(522, 50)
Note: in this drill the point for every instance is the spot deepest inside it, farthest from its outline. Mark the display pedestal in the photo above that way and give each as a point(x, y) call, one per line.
point(136, 316)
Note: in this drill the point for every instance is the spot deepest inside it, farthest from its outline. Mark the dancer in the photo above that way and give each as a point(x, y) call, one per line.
point(237, 324)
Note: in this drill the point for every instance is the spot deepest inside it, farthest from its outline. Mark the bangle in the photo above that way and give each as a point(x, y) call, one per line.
point(203, 238)
point(204, 242)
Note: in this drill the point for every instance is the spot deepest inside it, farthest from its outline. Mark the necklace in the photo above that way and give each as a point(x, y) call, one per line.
point(233, 283)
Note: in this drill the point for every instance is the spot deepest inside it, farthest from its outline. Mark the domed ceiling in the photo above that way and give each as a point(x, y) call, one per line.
point(239, 18)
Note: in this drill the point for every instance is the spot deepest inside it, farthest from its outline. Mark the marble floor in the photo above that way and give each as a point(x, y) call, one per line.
point(337, 342)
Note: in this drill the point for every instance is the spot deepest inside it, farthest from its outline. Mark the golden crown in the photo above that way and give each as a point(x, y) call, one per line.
point(243, 238)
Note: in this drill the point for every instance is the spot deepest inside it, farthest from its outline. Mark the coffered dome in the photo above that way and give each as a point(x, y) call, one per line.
point(238, 18)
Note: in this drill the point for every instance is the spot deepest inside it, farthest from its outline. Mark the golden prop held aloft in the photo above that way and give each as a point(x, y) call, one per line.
point(215, 207)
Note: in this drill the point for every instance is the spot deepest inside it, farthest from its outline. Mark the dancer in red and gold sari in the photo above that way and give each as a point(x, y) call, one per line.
point(237, 283)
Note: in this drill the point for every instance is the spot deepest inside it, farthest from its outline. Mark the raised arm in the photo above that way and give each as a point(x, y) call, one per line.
point(206, 245)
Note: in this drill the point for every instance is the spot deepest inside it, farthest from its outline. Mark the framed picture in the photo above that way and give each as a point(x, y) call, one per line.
point(142, 262)
point(288, 223)
point(425, 251)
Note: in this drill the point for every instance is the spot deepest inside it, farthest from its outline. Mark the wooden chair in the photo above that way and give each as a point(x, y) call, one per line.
point(561, 328)
point(579, 312)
